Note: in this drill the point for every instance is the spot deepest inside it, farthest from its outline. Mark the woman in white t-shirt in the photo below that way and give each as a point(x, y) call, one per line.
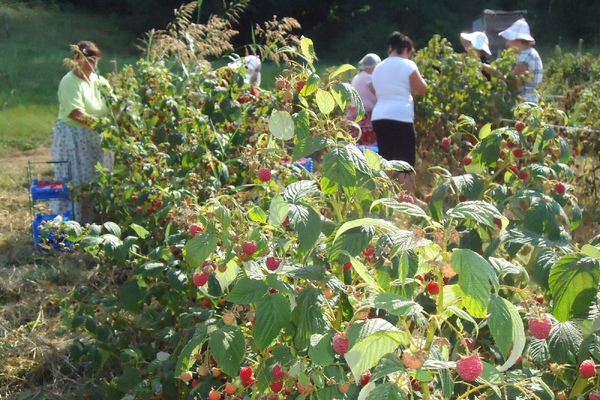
point(394, 81)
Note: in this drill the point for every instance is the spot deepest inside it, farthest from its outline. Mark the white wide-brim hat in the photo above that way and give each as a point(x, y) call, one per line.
point(518, 30)
point(369, 61)
point(478, 40)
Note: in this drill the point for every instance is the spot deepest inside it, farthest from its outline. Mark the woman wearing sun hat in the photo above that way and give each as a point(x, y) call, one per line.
point(517, 35)
point(479, 42)
point(362, 83)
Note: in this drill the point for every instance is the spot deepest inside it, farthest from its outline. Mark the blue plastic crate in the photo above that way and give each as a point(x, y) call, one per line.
point(53, 241)
point(301, 164)
point(372, 147)
point(48, 190)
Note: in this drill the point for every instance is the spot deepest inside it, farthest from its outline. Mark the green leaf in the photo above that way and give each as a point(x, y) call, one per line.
point(478, 211)
point(281, 125)
point(489, 149)
point(131, 296)
point(320, 350)
point(357, 223)
point(343, 93)
point(325, 102)
point(112, 228)
point(469, 184)
point(397, 305)
point(352, 242)
point(227, 346)
point(199, 248)
point(130, 378)
point(573, 283)
point(564, 342)
point(186, 359)
point(307, 48)
point(177, 280)
point(591, 251)
point(485, 131)
point(507, 329)
point(362, 271)
point(436, 203)
point(306, 146)
point(257, 214)
point(340, 70)
point(474, 276)
point(247, 291)
point(308, 316)
point(278, 210)
point(273, 313)
point(298, 191)
point(338, 172)
point(406, 208)
point(387, 391)
point(307, 222)
point(377, 338)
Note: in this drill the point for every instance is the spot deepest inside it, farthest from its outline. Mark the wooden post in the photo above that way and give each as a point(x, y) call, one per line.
point(113, 66)
point(579, 46)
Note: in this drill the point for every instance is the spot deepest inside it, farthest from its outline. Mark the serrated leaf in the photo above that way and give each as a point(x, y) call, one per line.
point(564, 342)
point(352, 242)
point(185, 359)
point(127, 381)
point(306, 146)
point(278, 210)
point(281, 125)
point(298, 191)
point(397, 305)
point(199, 248)
point(307, 48)
point(387, 391)
point(469, 184)
point(227, 346)
point(273, 313)
point(247, 291)
point(362, 271)
point(507, 329)
point(257, 214)
point(112, 228)
point(325, 102)
point(178, 280)
point(573, 282)
point(357, 223)
point(131, 296)
point(320, 350)
point(368, 351)
point(308, 316)
point(474, 277)
point(307, 222)
point(338, 172)
point(406, 208)
point(340, 70)
point(478, 211)
point(436, 203)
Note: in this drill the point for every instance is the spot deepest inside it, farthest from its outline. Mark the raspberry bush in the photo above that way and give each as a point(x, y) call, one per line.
point(327, 284)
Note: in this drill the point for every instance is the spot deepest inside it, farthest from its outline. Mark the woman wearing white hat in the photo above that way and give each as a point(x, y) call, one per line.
point(362, 83)
point(479, 42)
point(517, 35)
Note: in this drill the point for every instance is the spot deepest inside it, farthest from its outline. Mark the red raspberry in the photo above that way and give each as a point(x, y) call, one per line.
point(249, 248)
point(230, 388)
point(560, 188)
point(365, 377)
point(469, 368)
point(514, 168)
point(405, 198)
point(518, 152)
point(278, 372)
point(264, 175)
point(200, 279)
point(340, 343)
point(462, 198)
point(446, 142)
point(369, 250)
point(214, 395)
point(433, 287)
point(523, 175)
point(519, 126)
point(467, 161)
point(510, 145)
point(196, 229)
point(595, 395)
point(246, 373)
point(587, 368)
point(498, 223)
point(470, 343)
point(272, 263)
point(276, 386)
point(347, 266)
point(540, 327)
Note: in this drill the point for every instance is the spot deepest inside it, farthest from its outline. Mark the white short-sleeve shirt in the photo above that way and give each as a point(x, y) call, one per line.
point(391, 80)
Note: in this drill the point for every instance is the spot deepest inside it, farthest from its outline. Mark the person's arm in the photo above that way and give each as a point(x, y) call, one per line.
point(81, 117)
point(417, 84)
point(520, 69)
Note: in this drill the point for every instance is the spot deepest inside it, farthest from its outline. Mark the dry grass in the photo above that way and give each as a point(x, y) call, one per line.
point(34, 362)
